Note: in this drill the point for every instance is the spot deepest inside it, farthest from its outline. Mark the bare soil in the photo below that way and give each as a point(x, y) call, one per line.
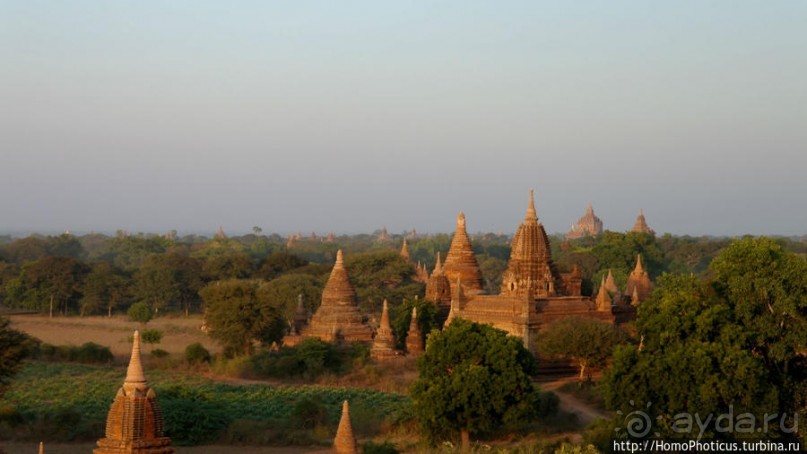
point(114, 332)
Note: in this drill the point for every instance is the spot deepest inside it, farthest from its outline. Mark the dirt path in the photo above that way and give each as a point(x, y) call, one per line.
point(570, 404)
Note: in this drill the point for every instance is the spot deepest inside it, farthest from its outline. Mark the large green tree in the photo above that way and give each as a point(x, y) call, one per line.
point(237, 317)
point(48, 284)
point(14, 347)
point(732, 344)
point(382, 275)
point(104, 288)
point(587, 341)
point(167, 279)
point(283, 293)
point(473, 379)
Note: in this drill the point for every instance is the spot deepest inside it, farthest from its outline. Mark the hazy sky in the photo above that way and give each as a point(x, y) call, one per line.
point(346, 116)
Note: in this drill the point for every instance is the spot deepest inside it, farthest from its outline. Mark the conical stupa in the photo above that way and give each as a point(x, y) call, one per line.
point(641, 225)
point(610, 283)
point(639, 282)
point(530, 260)
point(384, 341)
point(461, 260)
point(438, 288)
point(405, 251)
point(338, 316)
point(345, 441)
point(414, 338)
point(134, 424)
point(603, 300)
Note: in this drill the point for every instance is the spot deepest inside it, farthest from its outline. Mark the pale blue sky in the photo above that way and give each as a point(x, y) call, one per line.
point(345, 116)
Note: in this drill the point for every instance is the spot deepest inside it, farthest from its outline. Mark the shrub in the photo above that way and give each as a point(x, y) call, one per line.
point(140, 312)
point(309, 413)
point(379, 448)
point(196, 353)
point(151, 336)
point(92, 353)
point(159, 353)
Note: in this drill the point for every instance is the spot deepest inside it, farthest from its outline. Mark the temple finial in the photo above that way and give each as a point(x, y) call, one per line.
point(134, 374)
point(461, 220)
point(339, 259)
point(531, 213)
point(639, 268)
point(438, 267)
point(41, 447)
point(345, 441)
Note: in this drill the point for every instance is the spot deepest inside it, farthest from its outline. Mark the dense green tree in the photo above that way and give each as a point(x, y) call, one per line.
point(731, 344)
point(128, 252)
point(14, 347)
point(284, 291)
point(279, 263)
point(236, 317)
point(492, 269)
point(236, 265)
point(25, 250)
point(167, 279)
point(473, 378)
point(104, 289)
point(65, 245)
point(589, 342)
point(618, 251)
point(382, 275)
point(140, 312)
point(48, 284)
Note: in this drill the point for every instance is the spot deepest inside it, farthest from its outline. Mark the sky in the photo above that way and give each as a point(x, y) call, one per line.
point(352, 115)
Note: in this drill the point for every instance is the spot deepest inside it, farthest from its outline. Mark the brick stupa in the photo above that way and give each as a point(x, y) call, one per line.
point(134, 424)
point(603, 300)
point(405, 251)
point(461, 261)
point(338, 317)
point(345, 441)
point(384, 341)
point(530, 262)
point(438, 289)
point(641, 225)
point(414, 338)
point(639, 283)
point(610, 283)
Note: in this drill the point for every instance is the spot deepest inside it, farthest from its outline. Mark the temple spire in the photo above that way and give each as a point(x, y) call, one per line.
point(531, 216)
point(639, 268)
point(340, 262)
point(438, 267)
point(603, 299)
point(345, 441)
point(405, 250)
point(41, 447)
point(135, 378)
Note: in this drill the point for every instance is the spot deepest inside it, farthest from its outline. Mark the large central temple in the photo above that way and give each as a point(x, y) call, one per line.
point(533, 291)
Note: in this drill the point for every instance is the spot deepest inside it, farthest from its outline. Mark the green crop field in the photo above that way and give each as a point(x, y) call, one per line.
point(70, 402)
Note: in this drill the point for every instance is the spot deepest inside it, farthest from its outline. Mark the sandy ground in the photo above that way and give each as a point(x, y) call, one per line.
point(86, 448)
point(178, 332)
point(586, 414)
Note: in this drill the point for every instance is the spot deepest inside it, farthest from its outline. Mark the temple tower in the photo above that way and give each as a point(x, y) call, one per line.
point(588, 225)
point(345, 441)
point(384, 341)
point(405, 251)
point(338, 316)
point(530, 262)
point(414, 338)
point(438, 289)
point(639, 283)
point(610, 283)
point(461, 261)
point(134, 424)
point(641, 225)
point(603, 300)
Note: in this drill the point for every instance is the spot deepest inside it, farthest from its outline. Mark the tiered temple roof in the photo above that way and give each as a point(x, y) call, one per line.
point(588, 225)
point(135, 422)
point(461, 261)
point(384, 341)
point(639, 282)
point(414, 338)
point(345, 441)
point(530, 269)
point(641, 225)
point(338, 316)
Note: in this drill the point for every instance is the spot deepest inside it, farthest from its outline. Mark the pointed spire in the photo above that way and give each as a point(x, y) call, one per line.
point(634, 300)
point(345, 441)
point(531, 216)
point(405, 250)
point(135, 378)
point(340, 262)
point(603, 299)
point(220, 233)
point(41, 447)
point(385, 317)
point(590, 209)
point(414, 338)
point(610, 283)
point(639, 268)
point(438, 267)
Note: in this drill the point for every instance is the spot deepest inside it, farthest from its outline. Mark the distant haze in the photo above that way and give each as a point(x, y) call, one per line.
point(346, 116)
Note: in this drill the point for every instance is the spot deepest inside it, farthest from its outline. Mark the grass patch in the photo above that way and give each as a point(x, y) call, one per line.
point(588, 392)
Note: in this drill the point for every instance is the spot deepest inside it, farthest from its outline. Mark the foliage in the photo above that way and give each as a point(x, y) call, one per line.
point(140, 312)
point(309, 359)
point(167, 279)
point(473, 379)
point(196, 353)
point(189, 403)
point(14, 347)
point(732, 343)
point(381, 275)
point(50, 278)
point(237, 317)
point(587, 341)
point(618, 251)
point(402, 317)
point(104, 288)
point(386, 447)
point(283, 292)
point(280, 263)
point(151, 336)
point(87, 353)
point(235, 265)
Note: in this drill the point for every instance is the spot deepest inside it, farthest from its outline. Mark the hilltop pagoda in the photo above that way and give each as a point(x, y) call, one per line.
point(338, 317)
point(134, 424)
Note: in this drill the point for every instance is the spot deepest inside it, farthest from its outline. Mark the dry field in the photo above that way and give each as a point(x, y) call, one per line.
point(178, 332)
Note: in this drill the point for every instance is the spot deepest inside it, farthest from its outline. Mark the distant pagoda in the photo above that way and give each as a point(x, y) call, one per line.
point(134, 424)
point(641, 225)
point(639, 285)
point(588, 225)
point(414, 338)
point(384, 341)
point(438, 289)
